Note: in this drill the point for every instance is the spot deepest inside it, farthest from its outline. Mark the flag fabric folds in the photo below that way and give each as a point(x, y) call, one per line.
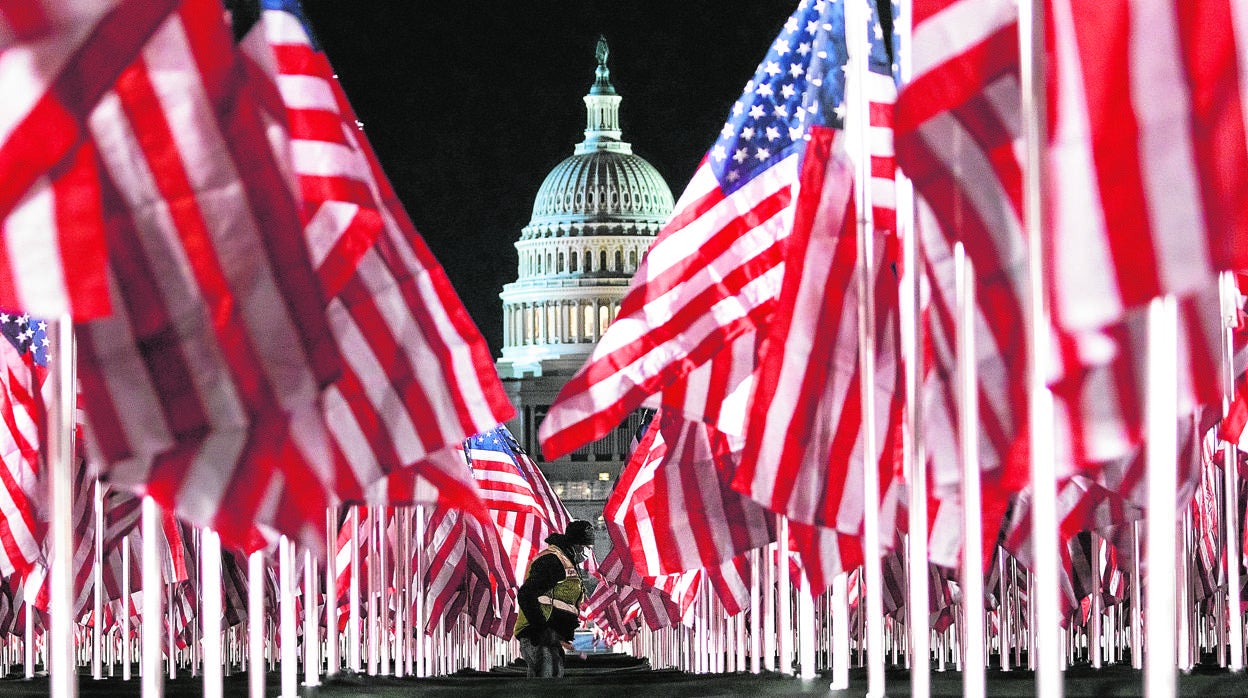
point(23, 362)
point(275, 343)
point(757, 263)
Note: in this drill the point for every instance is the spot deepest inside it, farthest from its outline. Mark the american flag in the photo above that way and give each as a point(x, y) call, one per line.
point(520, 500)
point(200, 387)
point(674, 504)
point(1149, 152)
point(23, 361)
point(468, 572)
point(803, 454)
point(417, 375)
point(52, 246)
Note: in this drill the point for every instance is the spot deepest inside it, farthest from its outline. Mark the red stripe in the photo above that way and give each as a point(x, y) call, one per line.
point(267, 193)
point(318, 125)
point(53, 125)
point(1209, 56)
point(1103, 40)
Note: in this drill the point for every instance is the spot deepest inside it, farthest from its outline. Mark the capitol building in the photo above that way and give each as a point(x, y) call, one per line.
point(595, 215)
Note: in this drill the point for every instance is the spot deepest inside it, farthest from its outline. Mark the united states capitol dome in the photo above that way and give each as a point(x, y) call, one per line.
point(603, 187)
point(594, 217)
point(611, 187)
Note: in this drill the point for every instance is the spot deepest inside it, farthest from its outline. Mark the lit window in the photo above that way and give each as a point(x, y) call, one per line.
point(605, 477)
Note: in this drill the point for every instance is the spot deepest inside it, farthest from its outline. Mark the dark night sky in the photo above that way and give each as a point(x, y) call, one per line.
point(470, 104)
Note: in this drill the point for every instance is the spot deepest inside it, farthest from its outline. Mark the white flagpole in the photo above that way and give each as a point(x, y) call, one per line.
point(127, 646)
point(974, 679)
point(311, 628)
point(331, 591)
point(28, 646)
point(755, 611)
point(373, 574)
point(1161, 419)
point(1047, 649)
point(1137, 601)
point(1230, 480)
point(289, 641)
point(418, 584)
point(383, 587)
point(784, 629)
point(153, 678)
point(857, 126)
point(806, 630)
point(840, 632)
point(62, 672)
point(770, 554)
point(353, 608)
point(1094, 617)
point(256, 624)
point(97, 609)
point(210, 549)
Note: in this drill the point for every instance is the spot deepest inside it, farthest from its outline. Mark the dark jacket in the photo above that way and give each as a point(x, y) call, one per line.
point(544, 573)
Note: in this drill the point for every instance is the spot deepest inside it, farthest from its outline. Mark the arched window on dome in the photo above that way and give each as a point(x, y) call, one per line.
point(632, 261)
point(602, 260)
point(588, 258)
point(619, 260)
point(550, 267)
point(539, 263)
point(560, 267)
point(572, 262)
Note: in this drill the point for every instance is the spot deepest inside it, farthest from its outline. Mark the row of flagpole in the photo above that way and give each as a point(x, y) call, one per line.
point(813, 633)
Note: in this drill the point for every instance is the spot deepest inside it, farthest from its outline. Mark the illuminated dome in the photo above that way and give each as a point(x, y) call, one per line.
point(594, 217)
point(601, 192)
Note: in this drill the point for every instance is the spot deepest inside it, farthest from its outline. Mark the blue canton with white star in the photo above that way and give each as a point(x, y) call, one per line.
point(27, 335)
point(497, 439)
point(800, 84)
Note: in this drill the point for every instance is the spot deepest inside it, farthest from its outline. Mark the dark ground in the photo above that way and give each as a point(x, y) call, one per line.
point(609, 676)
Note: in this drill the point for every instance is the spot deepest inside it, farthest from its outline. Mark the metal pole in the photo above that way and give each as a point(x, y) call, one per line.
point(97, 609)
point(840, 632)
point(418, 622)
point(770, 555)
point(311, 628)
point(214, 682)
point(1230, 481)
point(289, 640)
point(973, 641)
point(806, 630)
point(1047, 648)
point(755, 612)
point(1161, 413)
point(127, 644)
point(62, 672)
point(857, 128)
point(353, 608)
point(153, 678)
point(331, 591)
point(256, 624)
point(784, 630)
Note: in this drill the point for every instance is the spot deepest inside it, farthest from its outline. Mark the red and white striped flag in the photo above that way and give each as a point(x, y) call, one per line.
point(52, 248)
point(520, 501)
point(22, 403)
point(201, 387)
point(1148, 152)
point(675, 506)
point(417, 375)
